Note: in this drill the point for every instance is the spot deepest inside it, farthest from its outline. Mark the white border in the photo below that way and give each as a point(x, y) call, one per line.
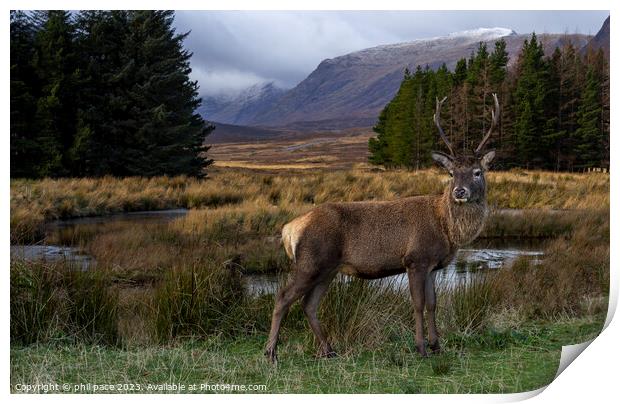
point(590, 378)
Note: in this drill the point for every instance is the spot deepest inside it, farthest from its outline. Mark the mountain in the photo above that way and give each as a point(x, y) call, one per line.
point(600, 40)
point(351, 90)
point(242, 107)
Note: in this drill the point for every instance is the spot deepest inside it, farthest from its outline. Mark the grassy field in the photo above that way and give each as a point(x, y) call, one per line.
point(499, 361)
point(334, 150)
point(34, 202)
point(166, 302)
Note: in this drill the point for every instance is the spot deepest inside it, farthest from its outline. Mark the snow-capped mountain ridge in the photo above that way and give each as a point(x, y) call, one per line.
point(246, 94)
point(484, 33)
point(468, 36)
point(259, 90)
point(241, 106)
point(350, 90)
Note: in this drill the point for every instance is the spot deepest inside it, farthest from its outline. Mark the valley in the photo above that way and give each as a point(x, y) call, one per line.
point(300, 151)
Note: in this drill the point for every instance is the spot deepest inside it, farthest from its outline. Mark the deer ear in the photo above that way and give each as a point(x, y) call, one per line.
point(446, 161)
point(485, 161)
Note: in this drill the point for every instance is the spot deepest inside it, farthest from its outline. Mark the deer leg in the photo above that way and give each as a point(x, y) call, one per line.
point(310, 305)
point(287, 295)
point(430, 302)
point(417, 279)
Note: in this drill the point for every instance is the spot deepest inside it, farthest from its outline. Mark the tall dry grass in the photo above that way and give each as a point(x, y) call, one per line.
point(206, 297)
point(575, 267)
point(198, 299)
point(248, 236)
point(34, 202)
point(159, 282)
point(60, 302)
point(358, 314)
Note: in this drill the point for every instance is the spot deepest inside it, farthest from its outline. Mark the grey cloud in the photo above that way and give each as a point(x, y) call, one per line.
point(235, 49)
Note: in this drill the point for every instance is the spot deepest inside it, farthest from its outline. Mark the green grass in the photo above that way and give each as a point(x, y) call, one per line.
point(517, 360)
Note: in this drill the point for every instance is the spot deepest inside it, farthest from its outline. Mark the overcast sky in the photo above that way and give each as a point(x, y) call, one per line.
point(236, 49)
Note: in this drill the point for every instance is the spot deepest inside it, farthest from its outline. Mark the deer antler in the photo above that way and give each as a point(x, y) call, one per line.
point(436, 120)
point(494, 119)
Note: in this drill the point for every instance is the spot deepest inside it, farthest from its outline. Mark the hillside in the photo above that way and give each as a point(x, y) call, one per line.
point(600, 40)
point(351, 90)
point(242, 107)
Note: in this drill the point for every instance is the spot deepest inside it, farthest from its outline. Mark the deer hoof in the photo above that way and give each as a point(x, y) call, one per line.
point(327, 354)
point(422, 351)
point(271, 355)
point(435, 348)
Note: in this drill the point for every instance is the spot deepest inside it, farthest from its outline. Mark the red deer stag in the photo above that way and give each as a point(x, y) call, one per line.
point(373, 240)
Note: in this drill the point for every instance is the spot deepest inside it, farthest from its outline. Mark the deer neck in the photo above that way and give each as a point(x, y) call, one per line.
point(464, 220)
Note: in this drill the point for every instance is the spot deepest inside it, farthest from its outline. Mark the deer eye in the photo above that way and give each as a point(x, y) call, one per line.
point(450, 173)
point(477, 173)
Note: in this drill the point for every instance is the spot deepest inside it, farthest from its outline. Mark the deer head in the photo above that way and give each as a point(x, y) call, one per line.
point(466, 170)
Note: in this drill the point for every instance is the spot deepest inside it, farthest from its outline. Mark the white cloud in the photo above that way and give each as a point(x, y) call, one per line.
point(214, 82)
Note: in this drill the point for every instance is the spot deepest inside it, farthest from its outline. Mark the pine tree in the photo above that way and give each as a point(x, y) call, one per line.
point(565, 86)
point(98, 145)
point(498, 62)
point(106, 92)
point(405, 131)
point(498, 73)
point(56, 67)
point(441, 83)
point(458, 99)
point(393, 145)
point(378, 146)
point(599, 63)
point(24, 146)
point(555, 134)
point(530, 97)
point(163, 134)
point(460, 71)
point(590, 136)
point(605, 111)
point(479, 98)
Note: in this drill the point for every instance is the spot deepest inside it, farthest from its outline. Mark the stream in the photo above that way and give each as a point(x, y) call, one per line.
point(482, 256)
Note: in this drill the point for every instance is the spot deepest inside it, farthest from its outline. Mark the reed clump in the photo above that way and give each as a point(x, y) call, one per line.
point(365, 315)
point(197, 300)
point(60, 302)
point(575, 266)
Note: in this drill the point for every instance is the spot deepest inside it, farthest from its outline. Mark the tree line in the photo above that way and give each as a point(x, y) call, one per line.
point(554, 116)
point(103, 93)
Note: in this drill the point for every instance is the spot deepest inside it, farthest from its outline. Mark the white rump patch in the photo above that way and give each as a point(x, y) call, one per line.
point(291, 234)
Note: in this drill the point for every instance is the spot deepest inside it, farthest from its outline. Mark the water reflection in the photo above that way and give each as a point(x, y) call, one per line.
point(469, 264)
point(62, 236)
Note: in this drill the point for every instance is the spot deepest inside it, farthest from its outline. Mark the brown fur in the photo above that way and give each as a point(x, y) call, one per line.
point(377, 239)
point(373, 240)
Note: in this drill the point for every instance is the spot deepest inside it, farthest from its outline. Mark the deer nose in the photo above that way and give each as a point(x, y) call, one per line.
point(460, 193)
